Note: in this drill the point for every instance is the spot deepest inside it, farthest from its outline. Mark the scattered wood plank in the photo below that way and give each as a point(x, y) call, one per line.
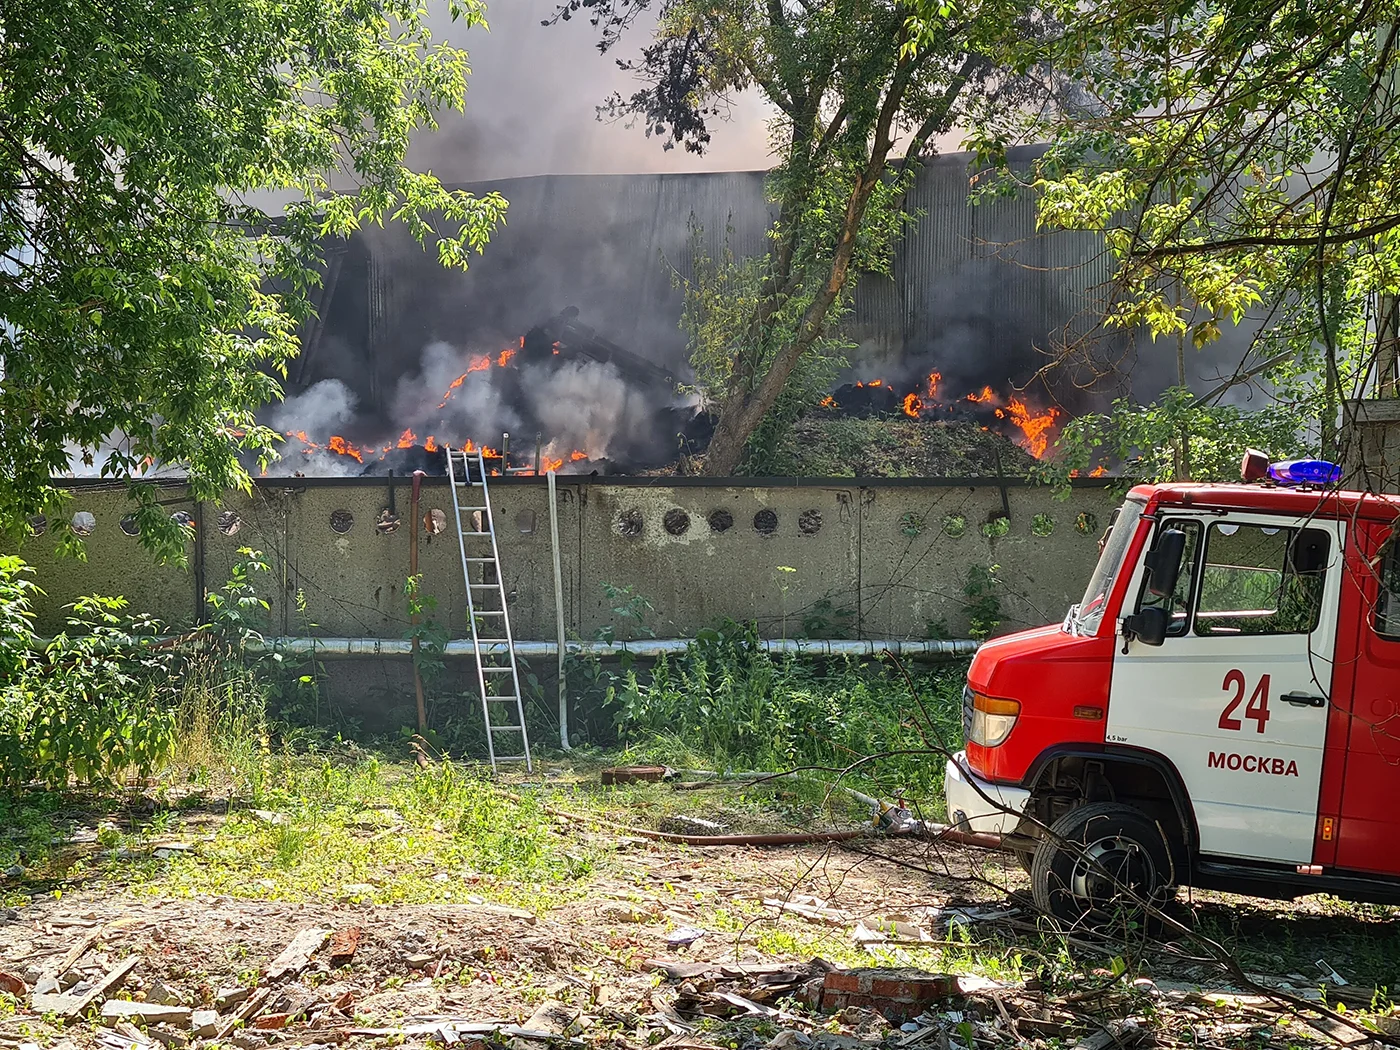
point(297, 954)
point(66, 1005)
point(13, 985)
point(251, 1006)
point(69, 957)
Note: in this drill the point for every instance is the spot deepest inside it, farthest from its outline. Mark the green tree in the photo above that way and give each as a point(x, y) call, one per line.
point(150, 291)
point(860, 88)
point(1236, 157)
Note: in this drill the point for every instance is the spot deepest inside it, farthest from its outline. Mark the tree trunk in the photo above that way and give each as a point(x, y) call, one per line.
point(741, 412)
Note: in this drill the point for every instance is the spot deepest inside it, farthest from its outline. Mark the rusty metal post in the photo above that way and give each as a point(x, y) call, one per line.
point(418, 476)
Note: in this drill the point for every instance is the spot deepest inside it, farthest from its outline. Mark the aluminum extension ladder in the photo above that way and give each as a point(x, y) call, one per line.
point(486, 608)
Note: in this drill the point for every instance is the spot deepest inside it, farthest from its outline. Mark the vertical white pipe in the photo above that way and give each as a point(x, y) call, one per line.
point(559, 614)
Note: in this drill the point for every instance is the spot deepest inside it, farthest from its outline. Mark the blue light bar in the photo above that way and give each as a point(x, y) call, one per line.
point(1305, 472)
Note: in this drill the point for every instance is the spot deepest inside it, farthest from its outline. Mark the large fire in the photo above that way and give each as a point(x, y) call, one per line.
point(1033, 429)
point(549, 458)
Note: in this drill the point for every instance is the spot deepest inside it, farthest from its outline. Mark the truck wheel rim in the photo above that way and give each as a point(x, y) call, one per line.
point(1108, 867)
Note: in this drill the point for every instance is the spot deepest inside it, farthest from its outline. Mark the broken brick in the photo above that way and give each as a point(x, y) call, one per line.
point(343, 945)
point(898, 994)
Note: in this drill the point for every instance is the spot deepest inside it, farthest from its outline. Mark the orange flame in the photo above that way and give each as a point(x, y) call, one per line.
point(1038, 429)
point(876, 382)
point(913, 405)
point(934, 378)
point(829, 402)
point(342, 447)
point(576, 455)
point(407, 439)
point(430, 445)
point(1099, 472)
point(985, 397)
point(506, 355)
point(551, 464)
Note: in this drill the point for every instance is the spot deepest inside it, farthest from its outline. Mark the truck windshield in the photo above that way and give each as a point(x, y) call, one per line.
point(1088, 614)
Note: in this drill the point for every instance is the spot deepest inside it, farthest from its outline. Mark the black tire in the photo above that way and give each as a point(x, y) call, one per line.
point(1098, 864)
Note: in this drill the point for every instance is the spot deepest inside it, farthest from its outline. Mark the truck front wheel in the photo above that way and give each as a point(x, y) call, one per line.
point(1099, 864)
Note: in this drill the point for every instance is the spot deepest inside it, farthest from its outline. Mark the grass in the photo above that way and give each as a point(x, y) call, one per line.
point(826, 447)
point(728, 705)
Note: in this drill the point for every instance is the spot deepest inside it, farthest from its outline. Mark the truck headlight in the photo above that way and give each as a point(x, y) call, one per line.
point(992, 720)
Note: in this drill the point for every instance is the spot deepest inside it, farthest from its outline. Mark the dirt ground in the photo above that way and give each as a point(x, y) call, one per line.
point(683, 947)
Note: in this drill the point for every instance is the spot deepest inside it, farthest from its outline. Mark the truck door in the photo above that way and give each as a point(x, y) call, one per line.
point(1236, 697)
point(1368, 828)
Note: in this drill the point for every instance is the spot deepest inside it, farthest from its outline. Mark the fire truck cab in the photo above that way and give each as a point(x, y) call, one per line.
point(1222, 709)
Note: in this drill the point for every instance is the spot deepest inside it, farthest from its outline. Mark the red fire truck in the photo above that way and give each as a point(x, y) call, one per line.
point(1222, 710)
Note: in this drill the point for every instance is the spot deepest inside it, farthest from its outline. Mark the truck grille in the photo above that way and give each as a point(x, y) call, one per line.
point(967, 711)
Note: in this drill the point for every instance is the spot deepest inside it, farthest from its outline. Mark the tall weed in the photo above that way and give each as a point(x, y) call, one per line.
point(729, 703)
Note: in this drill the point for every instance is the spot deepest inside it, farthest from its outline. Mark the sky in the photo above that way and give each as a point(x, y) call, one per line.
point(531, 107)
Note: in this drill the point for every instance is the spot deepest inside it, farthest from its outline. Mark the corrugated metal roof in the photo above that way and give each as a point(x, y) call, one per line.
point(971, 281)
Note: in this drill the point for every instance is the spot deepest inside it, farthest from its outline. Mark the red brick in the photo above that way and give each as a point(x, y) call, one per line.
point(899, 994)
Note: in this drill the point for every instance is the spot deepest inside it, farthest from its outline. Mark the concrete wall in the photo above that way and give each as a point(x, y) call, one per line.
point(868, 558)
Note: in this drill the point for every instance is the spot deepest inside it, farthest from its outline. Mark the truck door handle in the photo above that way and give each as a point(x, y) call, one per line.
point(1305, 700)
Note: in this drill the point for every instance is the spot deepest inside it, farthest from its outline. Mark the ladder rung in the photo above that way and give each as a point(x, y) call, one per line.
point(485, 586)
point(481, 559)
point(488, 612)
point(512, 758)
point(507, 729)
point(489, 697)
point(476, 534)
point(466, 508)
point(497, 670)
point(493, 641)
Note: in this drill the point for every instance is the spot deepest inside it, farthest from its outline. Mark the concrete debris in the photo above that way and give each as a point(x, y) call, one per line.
point(555, 1016)
point(114, 1010)
point(204, 1023)
point(297, 954)
point(75, 1001)
point(162, 993)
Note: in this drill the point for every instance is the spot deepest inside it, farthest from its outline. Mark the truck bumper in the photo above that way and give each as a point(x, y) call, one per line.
point(977, 805)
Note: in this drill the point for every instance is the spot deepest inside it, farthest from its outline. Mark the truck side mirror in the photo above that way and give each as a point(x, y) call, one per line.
point(1163, 563)
point(1149, 625)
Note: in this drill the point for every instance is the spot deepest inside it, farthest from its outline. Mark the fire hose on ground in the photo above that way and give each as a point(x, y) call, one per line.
point(920, 829)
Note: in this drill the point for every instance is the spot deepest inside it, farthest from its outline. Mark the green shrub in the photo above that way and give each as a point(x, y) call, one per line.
point(729, 703)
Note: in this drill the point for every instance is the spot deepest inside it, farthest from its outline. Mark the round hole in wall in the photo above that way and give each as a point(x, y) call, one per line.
point(435, 522)
point(809, 522)
point(83, 523)
point(629, 523)
point(229, 523)
point(342, 521)
point(183, 518)
point(676, 521)
point(525, 522)
point(37, 525)
point(129, 525)
point(765, 522)
point(387, 523)
point(721, 521)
